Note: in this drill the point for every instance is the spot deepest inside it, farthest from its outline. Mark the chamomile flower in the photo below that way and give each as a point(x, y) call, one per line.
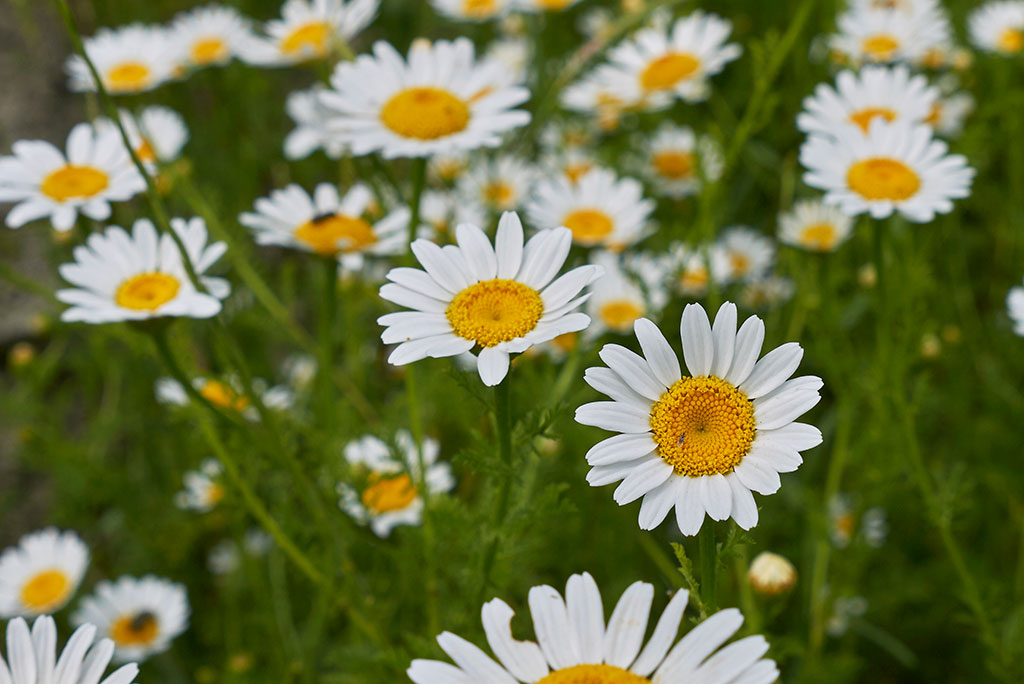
point(32, 656)
point(695, 267)
point(211, 35)
point(750, 254)
point(141, 616)
point(1015, 308)
point(499, 184)
point(895, 167)
point(599, 208)
point(308, 30)
point(889, 93)
point(157, 134)
point(512, 53)
point(949, 113)
point(41, 573)
point(889, 35)
point(441, 100)
point(700, 443)
point(129, 59)
point(675, 160)
point(44, 182)
point(575, 645)
point(442, 211)
point(616, 300)
point(543, 5)
point(502, 298)
point(203, 488)
point(998, 27)
point(606, 93)
point(134, 277)
point(311, 132)
point(766, 292)
point(571, 162)
point(814, 226)
point(447, 168)
point(471, 10)
point(389, 494)
point(227, 394)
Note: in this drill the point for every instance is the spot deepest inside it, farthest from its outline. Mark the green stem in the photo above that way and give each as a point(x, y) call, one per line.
point(708, 566)
point(416, 427)
point(328, 309)
point(503, 425)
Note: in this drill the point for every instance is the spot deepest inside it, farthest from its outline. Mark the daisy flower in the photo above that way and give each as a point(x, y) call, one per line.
point(41, 573)
point(888, 93)
point(32, 656)
point(575, 645)
point(499, 184)
point(308, 30)
point(44, 182)
point(447, 168)
point(311, 132)
point(949, 113)
point(141, 616)
point(750, 254)
point(616, 300)
point(766, 292)
point(210, 35)
point(675, 160)
point(888, 35)
point(895, 167)
point(442, 211)
point(700, 443)
point(388, 495)
point(129, 59)
point(678, 61)
point(814, 226)
point(512, 53)
point(1015, 308)
point(694, 267)
point(135, 277)
point(571, 162)
point(606, 93)
point(157, 134)
point(998, 27)
point(599, 209)
point(543, 5)
point(203, 487)
point(227, 394)
point(441, 100)
point(471, 10)
point(499, 298)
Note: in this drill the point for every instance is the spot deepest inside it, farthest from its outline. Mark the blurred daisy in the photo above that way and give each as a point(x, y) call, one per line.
point(389, 496)
point(750, 254)
point(845, 609)
point(675, 159)
point(571, 162)
point(141, 616)
point(998, 27)
point(814, 226)
point(32, 656)
point(888, 35)
point(949, 112)
point(766, 292)
point(616, 301)
point(157, 134)
point(203, 487)
point(499, 184)
point(129, 59)
point(447, 168)
point(45, 183)
point(227, 394)
point(308, 30)
point(606, 93)
point(512, 53)
point(122, 277)
point(471, 10)
point(211, 35)
point(599, 209)
point(1015, 308)
point(502, 298)
point(576, 646)
point(41, 573)
point(224, 558)
point(888, 93)
point(328, 223)
point(875, 527)
point(311, 132)
point(439, 101)
point(442, 211)
point(543, 5)
point(700, 443)
point(895, 167)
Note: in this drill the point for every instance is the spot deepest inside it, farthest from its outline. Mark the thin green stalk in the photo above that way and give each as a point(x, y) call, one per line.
point(419, 181)
point(23, 282)
point(416, 427)
point(708, 566)
point(751, 612)
point(326, 324)
point(503, 425)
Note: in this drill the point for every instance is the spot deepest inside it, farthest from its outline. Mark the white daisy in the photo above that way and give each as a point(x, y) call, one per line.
point(606, 93)
point(32, 656)
point(949, 113)
point(573, 163)
point(308, 30)
point(211, 35)
point(122, 277)
point(447, 168)
point(129, 59)
point(500, 298)
point(750, 254)
point(388, 494)
point(471, 10)
point(766, 292)
point(499, 184)
point(998, 27)
point(41, 573)
point(700, 443)
point(227, 394)
point(141, 616)
point(895, 167)
point(814, 226)
point(44, 182)
point(512, 53)
point(157, 134)
point(695, 267)
point(675, 160)
point(1015, 308)
point(543, 5)
point(889, 93)
point(442, 211)
point(311, 132)
point(203, 488)
point(890, 35)
point(574, 644)
point(599, 209)
point(616, 300)
point(439, 101)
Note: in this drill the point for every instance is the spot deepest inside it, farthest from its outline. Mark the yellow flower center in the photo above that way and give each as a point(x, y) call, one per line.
point(498, 193)
point(495, 311)
point(589, 226)
point(695, 279)
point(668, 70)
point(880, 47)
point(128, 77)
point(479, 9)
point(620, 314)
point(864, 117)
point(214, 493)
point(593, 674)
point(208, 50)
point(673, 164)
point(566, 341)
point(552, 4)
point(820, 236)
point(46, 591)
point(578, 170)
point(74, 182)
point(1011, 40)
point(145, 151)
point(140, 629)
point(387, 494)
point(220, 394)
point(425, 113)
point(147, 291)
point(739, 263)
point(881, 178)
point(703, 426)
point(332, 233)
point(309, 38)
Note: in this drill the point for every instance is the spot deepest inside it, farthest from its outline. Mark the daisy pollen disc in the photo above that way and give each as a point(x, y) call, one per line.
point(311, 37)
point(73, 181)
point(425, 113)
point(589, 226)
point(128, 77)
point(864, 117)
point(668, 70)
point(147, 291)
point(494, 311)
point(324, 233)
point(386, 494)
point(140, 629)
point(881, 178)
point(46, 590)
point(593, 674)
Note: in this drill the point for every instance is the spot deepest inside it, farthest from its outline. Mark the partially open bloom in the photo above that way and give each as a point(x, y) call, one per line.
point(497, 185)
point(998, 27)
point(441, 100)
point(129, 59)
point(472, 10)
point(141, 616)
point(576, 646)
point(814, 226)
point(1015, 308)
point(771, 574)
point(41, 573)
point(311, 132)
point(308, 30)
point(32, 656)
point(211, 35)
point(676, 160)
point(203, 487)
point(502, 298)
point(45, 182)
point(749, 253)
point(699, 443)
point(388, 494)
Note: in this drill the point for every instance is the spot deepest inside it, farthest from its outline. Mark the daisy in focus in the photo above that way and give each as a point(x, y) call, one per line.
point(141, 616)
point(389, 494)
point(998, 27)
point(471, 10)
point(699, 443)
point(44, 182)
point(616, 299)
point(440, 101)
point(42, 573)
point(882, 35)
point(497, 185)
point(32, 656)
point(308, 30)
point(1015, 308)
point(676, 160)
point(575, 645)
point(129, 59)
point(750, 254)
point(895, 167)
point(501, 299)
point(311, 132)
point(211, 35)
point(203, 487)
point(814, 226)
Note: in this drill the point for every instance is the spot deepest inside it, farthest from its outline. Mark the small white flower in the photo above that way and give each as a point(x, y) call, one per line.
point(514, 54)
point(497, 185)
point(129, 59)
point(227, 394)
point(224, 558)
point(41, 573)
point(308, 30)
point(442, 211)
point(998, 27)
point(543, 5)
point(766, 292)
point(891, 35)
point(157, 134)
point(675, 160)
point(203, 487)
point(472, 10)
point(606, 93)
point(210, 35)
point(32, 656)
point(311, 132)
point(949, 113)
point(750, 254)
point(814, 226)
point(693, 268)
point(616, 300)
point(1015, 308)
